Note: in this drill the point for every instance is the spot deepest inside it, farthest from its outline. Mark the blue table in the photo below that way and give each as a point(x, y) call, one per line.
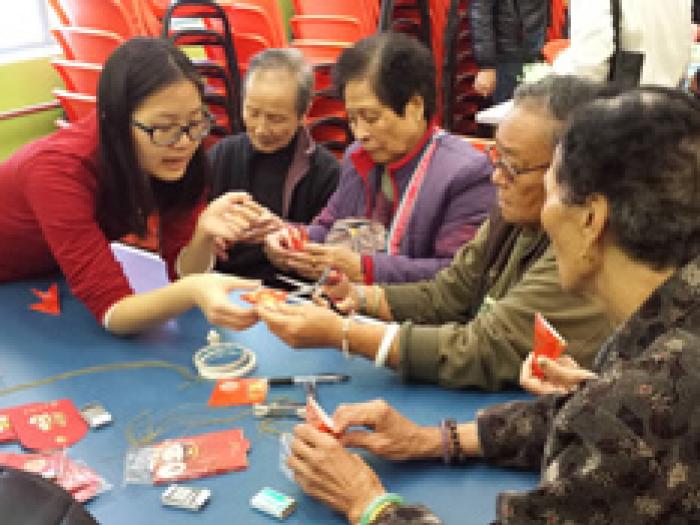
point(34, 346)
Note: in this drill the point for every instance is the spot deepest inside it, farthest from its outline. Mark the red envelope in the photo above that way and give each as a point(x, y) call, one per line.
point(316, 416)
point(238, 391)
point(547, 342)
point(199, 456)
point(45, 465)
point(46, 426)
point(265, 296)
point(7, 433)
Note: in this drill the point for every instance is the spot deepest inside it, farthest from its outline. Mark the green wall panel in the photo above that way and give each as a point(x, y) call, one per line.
point(24, 84)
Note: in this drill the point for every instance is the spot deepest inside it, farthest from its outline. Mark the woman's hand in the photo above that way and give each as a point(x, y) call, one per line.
point(560, 377)
point(228, 218)
point(210, 291)
point(328, 472)
point(303, 325)
point(341, 291)
point(390, 435)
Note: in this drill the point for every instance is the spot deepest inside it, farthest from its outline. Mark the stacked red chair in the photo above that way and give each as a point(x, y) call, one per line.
point(460, 101)
point(222, 74)
point(321, 30)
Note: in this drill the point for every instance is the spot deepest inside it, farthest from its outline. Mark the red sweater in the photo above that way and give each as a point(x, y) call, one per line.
point(47, 219)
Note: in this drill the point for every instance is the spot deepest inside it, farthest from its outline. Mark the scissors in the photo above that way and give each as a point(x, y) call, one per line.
point(310, 289)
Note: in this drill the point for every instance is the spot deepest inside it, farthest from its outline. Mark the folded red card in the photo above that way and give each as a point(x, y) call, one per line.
point(46, 426)
point(298, 236)
point(238, 391)
point(45, 465)
point(547, 342)
point(200, 456)
point(265, 296)
point(48, 301)
point(7, 433)
point(316, 416)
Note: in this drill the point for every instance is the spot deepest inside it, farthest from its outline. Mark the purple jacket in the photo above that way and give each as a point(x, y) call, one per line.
point(453, 201)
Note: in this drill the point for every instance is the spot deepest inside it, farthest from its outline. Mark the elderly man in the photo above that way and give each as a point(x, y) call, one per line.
point(472, 325)
point(275, 160)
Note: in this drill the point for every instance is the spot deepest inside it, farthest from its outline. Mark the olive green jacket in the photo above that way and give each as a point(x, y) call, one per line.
point(472, 326)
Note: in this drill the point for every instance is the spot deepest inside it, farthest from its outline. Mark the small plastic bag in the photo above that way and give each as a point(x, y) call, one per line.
point(285, 451)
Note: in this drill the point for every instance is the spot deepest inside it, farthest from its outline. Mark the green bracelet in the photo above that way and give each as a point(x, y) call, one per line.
point(387, 497)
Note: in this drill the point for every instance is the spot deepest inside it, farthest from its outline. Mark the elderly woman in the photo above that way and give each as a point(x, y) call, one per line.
point(622, 212)
point(428, 189)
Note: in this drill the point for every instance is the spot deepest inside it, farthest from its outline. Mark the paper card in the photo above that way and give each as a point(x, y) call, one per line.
point(298, 237)
point(48, 301)
point(316, 416)
point(45, 465)
point(238, 391)
point(46, 426)
point(265, 296)
point(547, 342)
point(7, 433)
point(200, 456)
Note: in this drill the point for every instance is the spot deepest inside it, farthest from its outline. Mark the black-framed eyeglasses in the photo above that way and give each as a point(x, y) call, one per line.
point(511, 173)
point(196, 130)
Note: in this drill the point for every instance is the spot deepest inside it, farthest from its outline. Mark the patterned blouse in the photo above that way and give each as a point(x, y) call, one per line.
point(623, 448)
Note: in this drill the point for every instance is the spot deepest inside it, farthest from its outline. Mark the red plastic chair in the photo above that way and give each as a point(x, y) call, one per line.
point(253, 20)
point(274, 12)
point(78, 77)
point(324, 27)
point(97, 14)
point(76, 105)
point(86, 45)
point(365, 11)
point(320, 51)
point(246, 46)
point(322, 106)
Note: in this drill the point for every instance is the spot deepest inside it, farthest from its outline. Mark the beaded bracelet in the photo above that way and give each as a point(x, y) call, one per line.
point(378, 504)
point(454, 446)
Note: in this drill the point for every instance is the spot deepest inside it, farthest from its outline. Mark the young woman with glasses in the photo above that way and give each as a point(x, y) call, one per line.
point(66, 196)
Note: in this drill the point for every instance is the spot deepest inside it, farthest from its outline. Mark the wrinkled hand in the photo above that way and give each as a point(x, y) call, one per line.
point(485, 82)
point(311, 261)
point(210, 292)
point(331, 474)
point(560, 377)
point(390, 435)
point(303, 325)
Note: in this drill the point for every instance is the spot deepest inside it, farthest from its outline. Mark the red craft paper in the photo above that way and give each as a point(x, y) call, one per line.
point(199, 456)
point(298, 236)
point(46, 426)
point(316, 416)
point(7, 433)
point(45, 465)
point(238, 391)
point(48, 301)
point(547, 342)
point(265, 296)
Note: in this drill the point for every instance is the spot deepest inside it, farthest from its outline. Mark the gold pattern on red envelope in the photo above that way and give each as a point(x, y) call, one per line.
point(7, 433)
point(199, 456)
point(548, 343)
point(45, 426)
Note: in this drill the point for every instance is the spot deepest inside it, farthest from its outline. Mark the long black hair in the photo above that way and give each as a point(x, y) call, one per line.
point(126, 194)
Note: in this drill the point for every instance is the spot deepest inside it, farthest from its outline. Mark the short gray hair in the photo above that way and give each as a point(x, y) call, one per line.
point(559, 95)
point(292, 61)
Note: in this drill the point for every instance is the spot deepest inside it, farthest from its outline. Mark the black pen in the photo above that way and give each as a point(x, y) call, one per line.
point(313, 378)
